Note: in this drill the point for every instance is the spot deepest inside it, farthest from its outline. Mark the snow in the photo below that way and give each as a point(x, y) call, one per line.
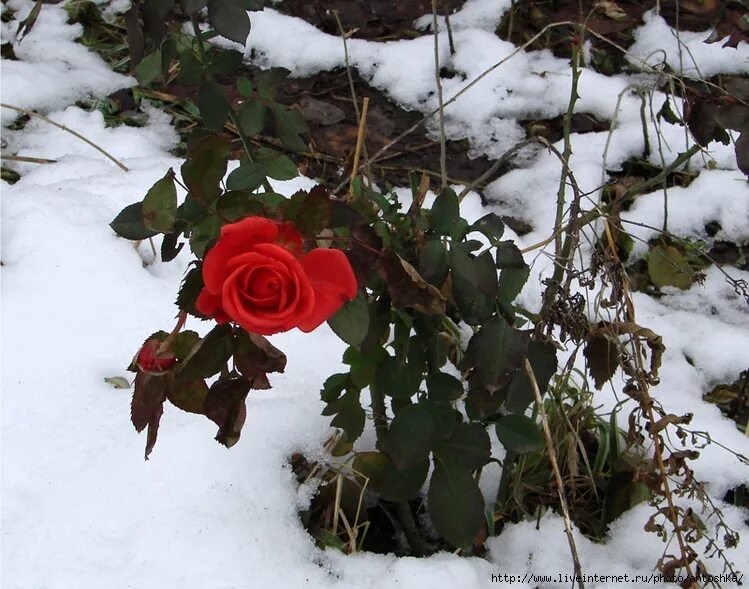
point(80, 507)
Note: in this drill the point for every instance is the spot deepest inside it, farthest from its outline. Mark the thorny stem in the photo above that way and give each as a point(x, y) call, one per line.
point(36, 115)
point(443, 145)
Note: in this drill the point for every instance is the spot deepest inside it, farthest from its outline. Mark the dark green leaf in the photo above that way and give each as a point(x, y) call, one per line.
point(289, 125)
point(520, 434)
point(160, 205)
point(468, 448)
point(225, 62)
point(456, 506)
point(411, 435)
point(245, 87)
point(386, 480)
point(268, 81)
point(189, 396)
point(129, 223)
point(190, 69)
point(204, 232)
point(248, 176)
point(205, 167)
point(208, 356)
point(490, 225)
point(214, 109)
point(433, 262)
point(281, 168)
point(445, 212)
point(189, 291)
point(191, 7)
point(398, 382)
point(155, 14)
point(443, 387)
point(349, 414)
point(351, 322)
point(333, 387)
point(184, 343)
point(169, 247)
point(474, 285)
point(543, 359)
point(230, 19)
point(514, 273)
point(237, 204)
point(252, 117)
point(135, 39)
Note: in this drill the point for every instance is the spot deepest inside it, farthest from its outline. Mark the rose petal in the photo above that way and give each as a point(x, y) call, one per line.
point(210, 305)
point(297, 298)
point(333, 281)
point(236, 238)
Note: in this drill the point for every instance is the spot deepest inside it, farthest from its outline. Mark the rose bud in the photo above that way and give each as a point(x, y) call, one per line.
point(151, 361)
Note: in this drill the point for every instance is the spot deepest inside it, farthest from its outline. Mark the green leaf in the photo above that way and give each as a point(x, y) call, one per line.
point(225, 62)
point(205, 167)
point(333, 387)
point(351, 322)
point(129, 223)
point(514, 271)
point(445, 212)
point(543, 359)
point(247, 176)
point(189, 291)
point(668, 267)
point(189, 396)
point(455, 505)
point(398, 382)
point(184, 343)
point(191, 7)
point(155, 14)
point(269, 81)
point(204, 231)
point(281, 168)
point(520, 434)
point(444, 387)
point(190, 69)
point(363, 364)
point(245, 87)
point(149, 68)
point(349, 414)
point(237, 204)
point(289, 125)
point(230, 19)
point(474, 285)
point(386, 480)
point(160, 205)
point(411, 435)
point(491, 226)
point(214, 109)
point(468, 448)
point(433, 265)
point(208, 356)
point(252, 116)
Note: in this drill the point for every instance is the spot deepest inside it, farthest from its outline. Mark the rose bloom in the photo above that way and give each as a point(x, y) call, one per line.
point(258, 276)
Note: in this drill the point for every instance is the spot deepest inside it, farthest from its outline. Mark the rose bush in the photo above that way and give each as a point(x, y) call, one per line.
point(258, 276)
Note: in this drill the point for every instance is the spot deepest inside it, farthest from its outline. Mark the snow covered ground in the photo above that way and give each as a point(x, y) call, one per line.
point(80, 507)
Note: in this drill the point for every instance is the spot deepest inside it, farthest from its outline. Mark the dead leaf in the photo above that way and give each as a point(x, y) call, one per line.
point(406, 286)
point(147, 405)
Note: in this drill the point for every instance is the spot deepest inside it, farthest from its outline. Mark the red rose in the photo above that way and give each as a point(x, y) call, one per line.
point(149, 360)
point(258, 276)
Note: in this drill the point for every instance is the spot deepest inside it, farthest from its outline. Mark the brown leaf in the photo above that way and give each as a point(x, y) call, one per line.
point(225, 406)
point(742, 152)
point(147, 405)
point(603, 359)
point(363, 252)
point(255, 356)
point(406, 286)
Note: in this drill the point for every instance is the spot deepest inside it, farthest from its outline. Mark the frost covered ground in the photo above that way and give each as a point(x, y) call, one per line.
point(80, 507)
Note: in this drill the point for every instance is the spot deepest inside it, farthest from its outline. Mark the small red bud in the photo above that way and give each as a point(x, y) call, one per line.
point(149, 360)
